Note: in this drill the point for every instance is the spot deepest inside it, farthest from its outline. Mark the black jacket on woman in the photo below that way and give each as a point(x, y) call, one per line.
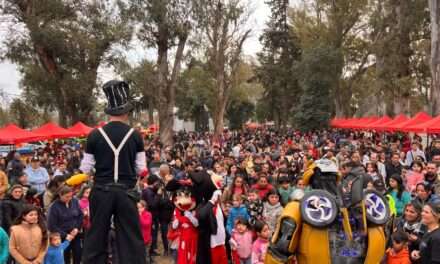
point(10, 209)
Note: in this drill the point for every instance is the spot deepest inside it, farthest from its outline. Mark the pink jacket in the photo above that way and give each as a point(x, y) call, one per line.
point(243, 242)
point(259, 249)
point(146, 223)
point(412, 178)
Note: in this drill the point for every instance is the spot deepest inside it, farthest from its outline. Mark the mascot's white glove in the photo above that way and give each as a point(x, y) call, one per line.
point(216, 196)
point(191, 218)
point(175, 224)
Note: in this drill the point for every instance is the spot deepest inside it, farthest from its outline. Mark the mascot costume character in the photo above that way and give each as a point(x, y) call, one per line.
point(206, 188)
point(331, 225)
point(184, 222)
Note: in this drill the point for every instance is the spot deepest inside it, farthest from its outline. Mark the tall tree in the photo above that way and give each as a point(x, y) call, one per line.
point(61, 48)
point(224, 25)
point(276, 64)
point(434, 8)
point(319, 68)
point(165, 25)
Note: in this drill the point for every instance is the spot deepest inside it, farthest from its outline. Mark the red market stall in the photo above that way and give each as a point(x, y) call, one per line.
point(435, 128)
point(80, 129)
point(417, 119)
point(365, 122)
point(52, 131)
point(349, 123)
point(424, 126)
point(397, 120)
point(378, 122)
point(12, 135)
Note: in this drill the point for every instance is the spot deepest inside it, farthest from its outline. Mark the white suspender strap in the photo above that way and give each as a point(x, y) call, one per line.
point(116, 151)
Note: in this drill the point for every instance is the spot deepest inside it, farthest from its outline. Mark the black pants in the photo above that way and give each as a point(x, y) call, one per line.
point(105, 203)
point(163, 227)
point(73, 252)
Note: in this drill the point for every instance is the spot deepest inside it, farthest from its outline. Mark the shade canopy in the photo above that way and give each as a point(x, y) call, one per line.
point(52, 131)
point(397, 120)
point(435, 127)
point(419, 118)
point(378, 122)
point(80, 129)
point(365, 122)
point(424, 126)
point(11, 135)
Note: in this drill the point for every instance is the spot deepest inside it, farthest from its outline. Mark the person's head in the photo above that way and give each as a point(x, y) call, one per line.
point(263, 181)
point(346, 167)
point(395, 158)
point(284, 182)
point(273, 197)
point(253, 195)
point(431, 214)
point(241, 224)
point(356, 157)
point(417, 166)
point(238, 181)
point(414, 145)
point(164, 170)
point(233, 169)
point(423, 190)
point(396, 182)
point(262, 230)
point(142, 206)
point(300, 184)
point(29, 215)
point(371, 167)
point(237, 200)
point(55, 239)
point(156, 155)
point(16, 192)
point(65, 194)
point(23, 179)
point(412, 212)
point(118, 99)
point(374, 157)
point(265, 168)
point(431, 172)
point(85, 192)
point(35, 163)
point(400, 240)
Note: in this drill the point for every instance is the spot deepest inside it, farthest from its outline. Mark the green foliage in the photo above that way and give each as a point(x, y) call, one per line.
point(61, 48)
point(238, 113)
point(23, 114)
point(318, 67)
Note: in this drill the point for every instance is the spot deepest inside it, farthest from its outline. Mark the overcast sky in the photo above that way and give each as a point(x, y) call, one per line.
point(10, 77)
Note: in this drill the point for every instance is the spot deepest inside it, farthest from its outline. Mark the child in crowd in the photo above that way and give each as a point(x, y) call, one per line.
point(237, 210)
point(284, 189)
point(398, 253)
point(55, 253)
point(28, 239)
point(146, 221)
point(254, 207)
point(414, 176)
point(299, 184)
point(259, 248)
point(83, 197)
point(272, 209)
point(241, 242)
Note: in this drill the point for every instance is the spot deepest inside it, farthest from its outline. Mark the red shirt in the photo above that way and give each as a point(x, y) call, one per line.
point(262, 191)
point(146, 222)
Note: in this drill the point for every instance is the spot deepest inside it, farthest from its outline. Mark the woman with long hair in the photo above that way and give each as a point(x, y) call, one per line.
point(237, 187)
point(397, 191)
point(29, 239)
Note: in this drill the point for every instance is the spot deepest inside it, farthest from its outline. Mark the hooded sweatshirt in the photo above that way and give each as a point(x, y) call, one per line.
point(271, 213)
point(234, 214)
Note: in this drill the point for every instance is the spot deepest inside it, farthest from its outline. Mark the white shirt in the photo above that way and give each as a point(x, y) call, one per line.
point(219, 238)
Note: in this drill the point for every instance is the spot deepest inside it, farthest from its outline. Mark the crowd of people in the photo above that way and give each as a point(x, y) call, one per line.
point(44, 219)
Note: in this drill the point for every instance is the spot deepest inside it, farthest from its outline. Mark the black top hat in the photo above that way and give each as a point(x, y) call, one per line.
point(117, 93)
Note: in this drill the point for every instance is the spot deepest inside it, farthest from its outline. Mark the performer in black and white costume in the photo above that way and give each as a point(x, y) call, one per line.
point(116, 151)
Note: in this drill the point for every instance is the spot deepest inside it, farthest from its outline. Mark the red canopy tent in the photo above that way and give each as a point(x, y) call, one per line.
point(365, 121)
point(376, 123)
point(80, 129)
point(435, 128)
point(422, 127)
point(397, 120)
point(419, 118)
point(52, 131)
point(11, 135)
point(348, 123)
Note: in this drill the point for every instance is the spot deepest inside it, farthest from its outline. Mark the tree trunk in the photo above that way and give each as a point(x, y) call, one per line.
point(434, 7)
point(150, 110)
